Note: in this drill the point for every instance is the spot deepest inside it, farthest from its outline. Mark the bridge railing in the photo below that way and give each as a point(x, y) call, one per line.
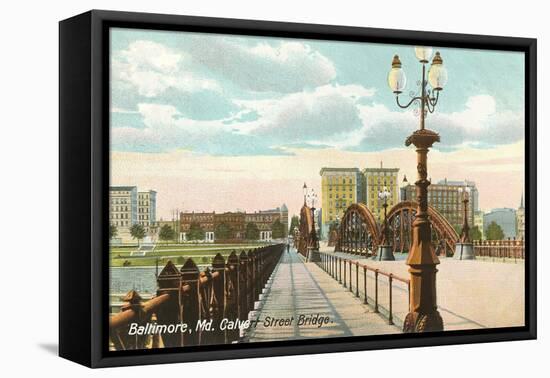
point(200, 301)
point(387, 293)
point(500, 249)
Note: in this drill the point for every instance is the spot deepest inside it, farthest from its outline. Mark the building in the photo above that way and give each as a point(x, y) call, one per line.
point(235, 222)
point(129, 207)
point(478, 221)
point(446, 198)
point(520, 220)
point(340, 187)
point(505, 218)
point(123, 212)
point(205, 221)
point(376, 179)
point(474, 193)
point(264, 220)
point(147, 209)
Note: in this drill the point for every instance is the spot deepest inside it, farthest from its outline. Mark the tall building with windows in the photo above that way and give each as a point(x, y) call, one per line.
point(128, 206)
point(376, 179)
point(123, 206)
point(147, 208)
point(446, 198)
point(340, 187)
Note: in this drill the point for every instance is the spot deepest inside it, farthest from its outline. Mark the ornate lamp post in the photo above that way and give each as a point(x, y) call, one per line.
point(385, 249)
point(313, 197)
point(423, 315)
point(464, 248)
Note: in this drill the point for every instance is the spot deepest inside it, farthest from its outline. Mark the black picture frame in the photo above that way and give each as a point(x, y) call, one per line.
point(84, 185)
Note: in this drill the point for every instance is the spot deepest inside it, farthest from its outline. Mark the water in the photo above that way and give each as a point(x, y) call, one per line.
point(139, 278)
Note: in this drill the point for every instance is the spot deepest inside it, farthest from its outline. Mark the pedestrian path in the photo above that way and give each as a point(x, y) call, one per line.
point(303, 302)
point(471, 294)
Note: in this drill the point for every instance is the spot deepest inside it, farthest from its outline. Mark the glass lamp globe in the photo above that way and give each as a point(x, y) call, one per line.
point(396, 77)
point(423, 53)
point(437, 75)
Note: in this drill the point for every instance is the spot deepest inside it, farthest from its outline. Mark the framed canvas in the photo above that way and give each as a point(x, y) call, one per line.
point(235, 188)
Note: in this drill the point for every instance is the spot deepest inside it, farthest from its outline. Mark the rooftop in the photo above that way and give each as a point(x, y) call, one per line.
point(327, 169)
point(116, 188)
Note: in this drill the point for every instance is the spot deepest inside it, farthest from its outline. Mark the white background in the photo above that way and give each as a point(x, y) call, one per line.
point(29, 185)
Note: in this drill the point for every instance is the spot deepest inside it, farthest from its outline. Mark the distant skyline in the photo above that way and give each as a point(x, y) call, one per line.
point(217, 122)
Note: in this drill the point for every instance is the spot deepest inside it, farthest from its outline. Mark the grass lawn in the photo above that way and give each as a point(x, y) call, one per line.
point(178, 254)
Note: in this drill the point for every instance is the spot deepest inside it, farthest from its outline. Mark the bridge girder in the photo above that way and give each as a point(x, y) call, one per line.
point(360, 233)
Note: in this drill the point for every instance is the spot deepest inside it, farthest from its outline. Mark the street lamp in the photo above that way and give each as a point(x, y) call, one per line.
point(423, 315)
point(465, 234)
point(385, 249)
point(313, 242)
point(383, 196)
point(464, 249)
point(313, 197)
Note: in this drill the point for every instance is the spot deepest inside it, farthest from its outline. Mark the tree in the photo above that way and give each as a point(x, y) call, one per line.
point(113, 231)
point(278, 230)
point(475, 233)
point(294, 223)
point(195, 232)
point(458, 228)
point(252, 232)
point(166, 233)
point(494, 232)
point(223, 231)
point(137, 231)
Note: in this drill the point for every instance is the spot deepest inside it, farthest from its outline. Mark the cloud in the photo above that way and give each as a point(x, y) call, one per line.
point(162, 129)
point(151, 68)
point(479, 125)
point(263, 127)
point(284, 67)
point(307, 116)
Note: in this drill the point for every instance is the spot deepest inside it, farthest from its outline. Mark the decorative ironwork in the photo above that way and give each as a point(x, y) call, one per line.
point(306, 236)
point(226, 290)
point(358, 233)
point(400, 222)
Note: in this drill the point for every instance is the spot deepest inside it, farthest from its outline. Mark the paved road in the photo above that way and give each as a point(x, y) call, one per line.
point(300, 288)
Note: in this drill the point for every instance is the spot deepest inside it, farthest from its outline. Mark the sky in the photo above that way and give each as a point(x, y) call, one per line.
point(220, 123)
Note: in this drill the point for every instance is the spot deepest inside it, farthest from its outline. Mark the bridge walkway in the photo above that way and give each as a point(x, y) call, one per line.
point(304, 289)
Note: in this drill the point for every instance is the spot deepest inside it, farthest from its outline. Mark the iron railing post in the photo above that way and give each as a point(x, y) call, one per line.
point(376, 290)
point(365, 284)
point(390, 319)
point(357, 280)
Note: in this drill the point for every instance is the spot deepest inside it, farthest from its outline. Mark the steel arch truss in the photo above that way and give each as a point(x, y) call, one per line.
point(358, 233)
point(400, 221)
point(305, 231)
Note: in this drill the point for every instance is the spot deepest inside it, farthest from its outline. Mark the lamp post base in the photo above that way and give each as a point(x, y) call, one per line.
point(385, 253)
point(464, 251)
point(416, 322)
point(313, 255)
